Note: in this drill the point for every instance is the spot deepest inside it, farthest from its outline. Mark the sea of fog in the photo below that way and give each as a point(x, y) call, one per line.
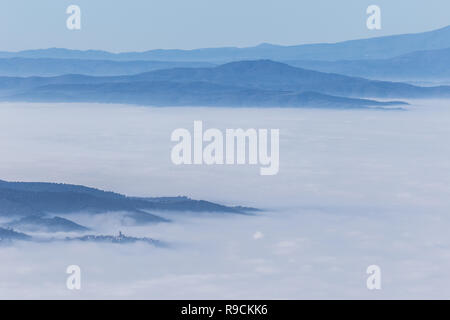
point(355, 188)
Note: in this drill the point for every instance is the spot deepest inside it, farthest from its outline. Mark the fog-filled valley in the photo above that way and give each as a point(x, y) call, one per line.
point(305, 171)
point(355, 188)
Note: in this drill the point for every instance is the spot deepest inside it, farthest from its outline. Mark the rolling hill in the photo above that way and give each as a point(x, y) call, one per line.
point(38, 223)
point(40, 199)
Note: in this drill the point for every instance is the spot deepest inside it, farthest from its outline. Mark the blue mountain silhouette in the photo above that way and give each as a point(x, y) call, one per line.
point(46, 224)
point(37, 200)
point(419, 65)
point(261, 83)
point(373, 48)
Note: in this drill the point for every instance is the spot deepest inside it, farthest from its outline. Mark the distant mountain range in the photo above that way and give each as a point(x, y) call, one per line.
point(46, 67)
point(261, 83)
point(330, 75)
point(373, 48)
point(420, 65)
point(190, 94)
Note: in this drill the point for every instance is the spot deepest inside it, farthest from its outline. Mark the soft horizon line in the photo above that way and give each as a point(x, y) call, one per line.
point(224, 47)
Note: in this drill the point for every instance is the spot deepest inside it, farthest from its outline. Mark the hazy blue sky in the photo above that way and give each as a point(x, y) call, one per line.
point(149, 24)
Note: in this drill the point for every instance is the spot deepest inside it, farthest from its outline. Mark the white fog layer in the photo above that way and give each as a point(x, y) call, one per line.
point(354, 188)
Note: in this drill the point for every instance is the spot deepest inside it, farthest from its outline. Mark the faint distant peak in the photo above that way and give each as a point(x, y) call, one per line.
point(255, 63)
point(266, 45)
point(446, 28)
